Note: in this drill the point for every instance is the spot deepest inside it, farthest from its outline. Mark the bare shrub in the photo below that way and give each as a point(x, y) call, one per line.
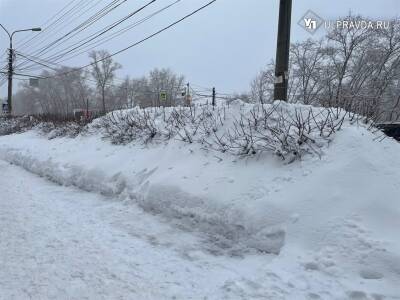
point(51, 125)
point(11, 125)
point(285, 130)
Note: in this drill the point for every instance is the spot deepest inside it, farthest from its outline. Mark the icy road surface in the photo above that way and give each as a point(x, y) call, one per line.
point(61, 243)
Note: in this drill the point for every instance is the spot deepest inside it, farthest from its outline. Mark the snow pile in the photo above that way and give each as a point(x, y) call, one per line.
point(15, 125)
point(224, 221)
point(285, 130)
point(53, 130)
point(48, 125)
point(332, 219)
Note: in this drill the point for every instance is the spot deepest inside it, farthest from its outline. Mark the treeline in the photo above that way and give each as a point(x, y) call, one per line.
point(356, 69)
point(64, 90)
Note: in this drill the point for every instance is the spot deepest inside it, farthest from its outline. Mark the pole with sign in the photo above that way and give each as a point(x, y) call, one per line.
point(34, 82)
point(282, 50)
point(5, 108)
point(163, 97)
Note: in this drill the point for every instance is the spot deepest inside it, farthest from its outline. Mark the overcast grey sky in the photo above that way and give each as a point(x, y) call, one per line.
point(223, 46)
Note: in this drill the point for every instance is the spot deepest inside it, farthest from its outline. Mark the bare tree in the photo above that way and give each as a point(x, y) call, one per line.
point(307, 58)
point(59, 93)
point(165, 80)
point(122, 95)
point(103, 71)
point(140, 93)
point(263, 85)
point(365, 62)
point(343, 43)
point(352, 67)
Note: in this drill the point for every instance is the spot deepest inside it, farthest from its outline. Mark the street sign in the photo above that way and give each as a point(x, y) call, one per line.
point(34, 82)
point(5, 108)
point(163, 96)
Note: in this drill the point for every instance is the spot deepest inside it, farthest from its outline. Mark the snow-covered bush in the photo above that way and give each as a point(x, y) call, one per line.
point(62, 129)
point(49, 125)
point(286, 130)
point(10, 125)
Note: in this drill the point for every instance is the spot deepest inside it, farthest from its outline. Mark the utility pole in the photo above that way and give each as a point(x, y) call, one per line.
point(10, 77)
point(10, 63)
point(213, 97)
point(188, 94)
point(128, 102)
point(282, 50)
point(87, 108)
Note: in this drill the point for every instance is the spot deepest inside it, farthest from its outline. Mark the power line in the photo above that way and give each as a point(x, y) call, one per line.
point(94, 44)
point(56, 24)
point(88, 22)
point(27, 39)
point(62, 53)
point(25, 75)
point(59, 40)
point(36, 61)
point(94, 18)
point(139, 42)
point(120, 51)
point(44, 63)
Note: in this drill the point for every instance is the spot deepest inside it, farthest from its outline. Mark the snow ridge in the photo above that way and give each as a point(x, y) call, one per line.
point(226, 226)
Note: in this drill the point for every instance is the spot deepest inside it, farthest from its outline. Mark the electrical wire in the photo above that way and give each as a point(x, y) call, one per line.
point(94, 18)
point(139, 42)
point(62, 53)
point(82, 26)
point(26, 40)
point(93, 45)
point(54, 27)
point(122, 50)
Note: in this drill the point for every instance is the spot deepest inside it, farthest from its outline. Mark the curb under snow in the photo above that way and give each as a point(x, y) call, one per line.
point(227, 227)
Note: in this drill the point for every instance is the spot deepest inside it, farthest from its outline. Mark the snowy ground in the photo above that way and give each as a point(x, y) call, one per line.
point(171, 221)
point(62, 243)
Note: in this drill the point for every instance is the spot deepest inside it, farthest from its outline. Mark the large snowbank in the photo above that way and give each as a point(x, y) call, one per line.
point(333, 219)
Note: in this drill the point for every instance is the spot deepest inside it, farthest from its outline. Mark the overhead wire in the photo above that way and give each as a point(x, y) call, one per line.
point(40, 61)
point(142, 40)
point(62, 53)
point(26, 40)
point(94, 44)
point(82, 26)
point(54, 27)
point(79, 28)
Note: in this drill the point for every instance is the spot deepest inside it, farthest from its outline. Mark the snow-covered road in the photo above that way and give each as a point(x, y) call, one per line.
point(61, 243)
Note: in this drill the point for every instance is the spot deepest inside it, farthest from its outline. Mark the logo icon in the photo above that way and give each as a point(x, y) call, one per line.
point(311, 22)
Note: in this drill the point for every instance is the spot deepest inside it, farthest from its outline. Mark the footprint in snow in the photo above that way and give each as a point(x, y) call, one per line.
point(357, 295)
point(370, 274)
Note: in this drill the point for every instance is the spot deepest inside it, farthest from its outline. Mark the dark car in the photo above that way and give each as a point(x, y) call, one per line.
point(391, 129)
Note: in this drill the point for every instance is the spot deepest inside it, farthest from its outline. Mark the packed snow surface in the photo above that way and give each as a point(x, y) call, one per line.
point(170, 220)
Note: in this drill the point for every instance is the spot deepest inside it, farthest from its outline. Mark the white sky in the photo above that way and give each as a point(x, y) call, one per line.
point(223, 46)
